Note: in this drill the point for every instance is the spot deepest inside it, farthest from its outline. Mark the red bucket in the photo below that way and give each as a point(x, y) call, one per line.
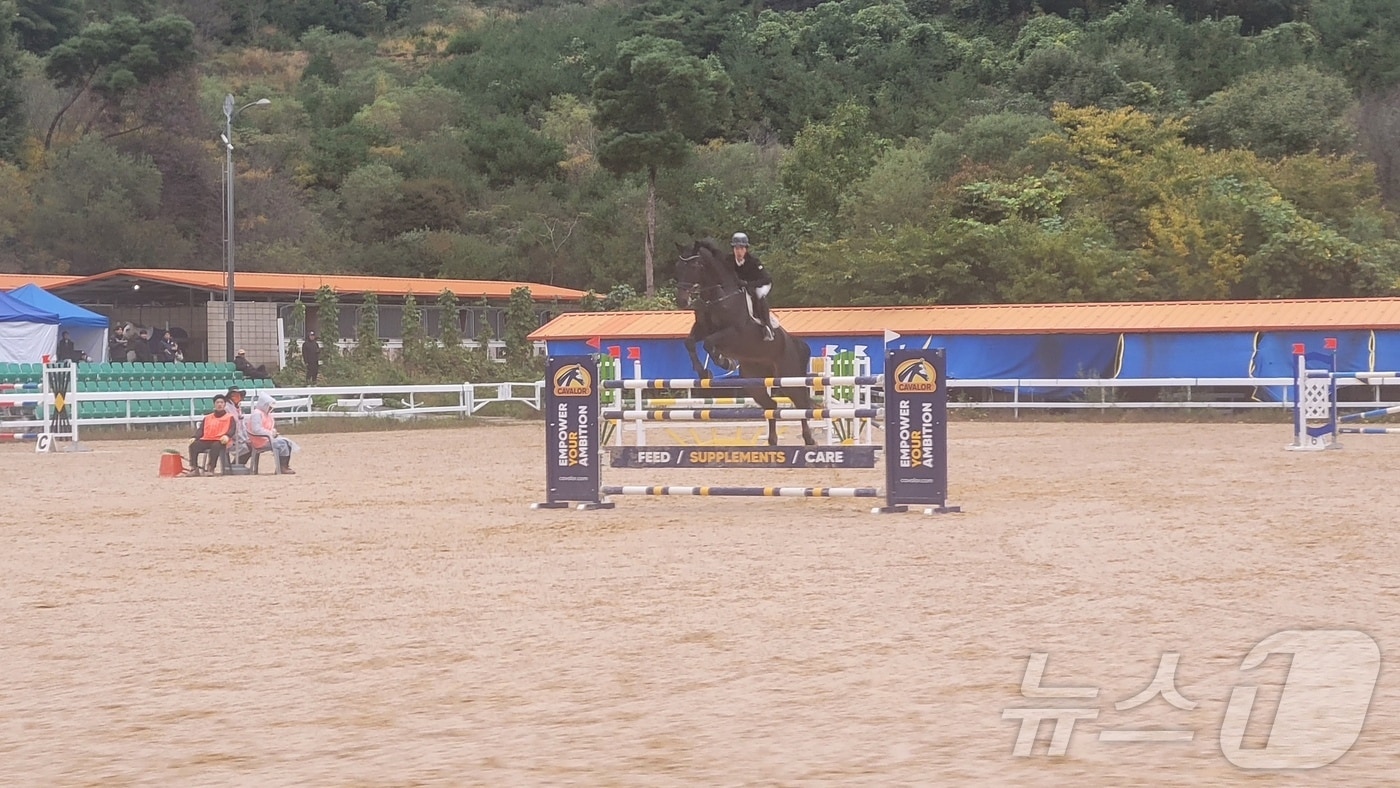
point(171, 464)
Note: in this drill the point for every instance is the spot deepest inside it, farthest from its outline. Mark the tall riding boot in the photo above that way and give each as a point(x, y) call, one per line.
point(762, 310)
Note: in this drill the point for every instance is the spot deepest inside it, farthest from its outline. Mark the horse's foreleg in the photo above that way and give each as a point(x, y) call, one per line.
point(690, 343)
point(766, 401)
point(714, 342)
point(802, 399)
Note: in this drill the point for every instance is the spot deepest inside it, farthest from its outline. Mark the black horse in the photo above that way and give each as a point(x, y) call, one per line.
point(706, 283)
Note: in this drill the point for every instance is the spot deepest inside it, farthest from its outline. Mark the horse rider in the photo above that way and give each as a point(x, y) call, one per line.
point(756, 280)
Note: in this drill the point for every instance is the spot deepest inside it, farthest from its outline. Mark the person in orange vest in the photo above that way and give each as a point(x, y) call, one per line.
point(214, 434)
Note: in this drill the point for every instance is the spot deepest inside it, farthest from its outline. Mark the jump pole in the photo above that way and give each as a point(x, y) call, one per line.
point(916, 439)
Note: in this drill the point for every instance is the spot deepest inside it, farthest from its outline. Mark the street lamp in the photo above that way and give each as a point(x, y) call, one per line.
point(227, 138)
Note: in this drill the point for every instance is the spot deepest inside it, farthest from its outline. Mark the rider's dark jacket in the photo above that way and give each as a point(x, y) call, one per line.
point(751, 272)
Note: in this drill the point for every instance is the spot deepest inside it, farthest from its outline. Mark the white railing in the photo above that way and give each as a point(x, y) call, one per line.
point(297, 403)
point(469, 399)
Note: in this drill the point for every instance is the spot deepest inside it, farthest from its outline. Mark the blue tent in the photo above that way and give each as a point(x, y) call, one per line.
point(13, 310)
point(86, 328)
point(27, 333)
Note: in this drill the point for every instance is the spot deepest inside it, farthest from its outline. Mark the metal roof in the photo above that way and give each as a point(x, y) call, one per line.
point(1098, 318)
point(12, 281)
point(122, 279)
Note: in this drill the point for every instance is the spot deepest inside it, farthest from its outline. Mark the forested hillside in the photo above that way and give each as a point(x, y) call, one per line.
point(876, 151)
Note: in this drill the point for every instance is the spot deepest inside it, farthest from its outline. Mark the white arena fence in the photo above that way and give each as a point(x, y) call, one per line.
point(464, 400)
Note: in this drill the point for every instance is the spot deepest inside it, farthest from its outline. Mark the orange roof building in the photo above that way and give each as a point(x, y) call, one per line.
point(191, 304)
point(15, 281)
point(1079, 318)
point(1219, 339)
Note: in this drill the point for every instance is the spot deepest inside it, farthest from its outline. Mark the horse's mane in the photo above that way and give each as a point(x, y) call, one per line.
point(712, 245)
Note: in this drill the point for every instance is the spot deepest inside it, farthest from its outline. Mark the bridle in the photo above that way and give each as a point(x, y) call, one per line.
point(701, 291)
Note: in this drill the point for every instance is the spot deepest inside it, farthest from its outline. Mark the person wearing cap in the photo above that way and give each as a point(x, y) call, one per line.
point(239, 434)
point(215, 432)
point(311, 354)
point(754, 278)
point(242, 364)
point(262, 432)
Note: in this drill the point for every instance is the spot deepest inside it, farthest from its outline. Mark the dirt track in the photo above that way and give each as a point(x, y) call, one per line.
point(395, 614)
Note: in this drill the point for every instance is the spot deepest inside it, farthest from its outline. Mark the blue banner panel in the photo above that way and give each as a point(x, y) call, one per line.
point(571, 420)
point(916, 428)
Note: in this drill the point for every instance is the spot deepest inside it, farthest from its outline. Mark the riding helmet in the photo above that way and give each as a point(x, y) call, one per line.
point(739, 239)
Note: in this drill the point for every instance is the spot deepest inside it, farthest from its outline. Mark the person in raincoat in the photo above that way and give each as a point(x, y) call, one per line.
point(262, 431)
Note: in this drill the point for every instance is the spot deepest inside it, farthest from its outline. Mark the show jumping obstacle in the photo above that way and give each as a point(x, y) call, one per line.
point(51, 399)
point(916, 440)
point(840, 383)
point(1316, 420)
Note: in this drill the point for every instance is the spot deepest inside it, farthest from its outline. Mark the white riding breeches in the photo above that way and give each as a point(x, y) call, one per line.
point(763, 291)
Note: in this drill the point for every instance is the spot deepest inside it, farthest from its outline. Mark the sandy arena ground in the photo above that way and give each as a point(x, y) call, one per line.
point(396, 615)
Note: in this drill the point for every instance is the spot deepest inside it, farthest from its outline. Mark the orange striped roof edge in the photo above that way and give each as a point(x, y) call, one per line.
point(12, 281)
point(256, 282)
point(1081, 318)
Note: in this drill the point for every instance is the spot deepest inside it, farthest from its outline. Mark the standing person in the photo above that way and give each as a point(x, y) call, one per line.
point(165, 348)
point(66, 350)
point(214, 434)
point(756, 280)
point(311, 353)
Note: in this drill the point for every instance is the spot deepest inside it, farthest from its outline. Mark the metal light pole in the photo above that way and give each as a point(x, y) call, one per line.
point(230, 112)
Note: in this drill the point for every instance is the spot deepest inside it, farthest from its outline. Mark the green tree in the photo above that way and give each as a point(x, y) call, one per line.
point(41, 25)
point(827, 158)
point(113, 59)
point(12, 125)
point(1361, 39)
point(653, 101)
point(508, 151)
point(450, 329)
point(1279, 113)
point(98, 208)
point(520, 321)
point(367, 344)
point(415, 341)
point(328, 320)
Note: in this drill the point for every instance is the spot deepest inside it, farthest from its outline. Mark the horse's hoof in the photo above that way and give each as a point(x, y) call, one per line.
point(705, 374)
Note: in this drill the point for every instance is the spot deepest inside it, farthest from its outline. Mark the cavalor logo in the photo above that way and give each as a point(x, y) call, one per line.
point(915, 376)
point(573, 381)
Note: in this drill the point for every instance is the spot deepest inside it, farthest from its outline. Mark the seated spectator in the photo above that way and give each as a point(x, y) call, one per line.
point(242, 364)
point(214, 434)
point(262, 431)
point(239, 434)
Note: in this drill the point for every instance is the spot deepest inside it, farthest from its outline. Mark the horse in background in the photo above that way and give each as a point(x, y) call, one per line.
point(725, 326)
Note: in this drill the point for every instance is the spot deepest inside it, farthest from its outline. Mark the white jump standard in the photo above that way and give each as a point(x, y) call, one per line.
point(1316, 418)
